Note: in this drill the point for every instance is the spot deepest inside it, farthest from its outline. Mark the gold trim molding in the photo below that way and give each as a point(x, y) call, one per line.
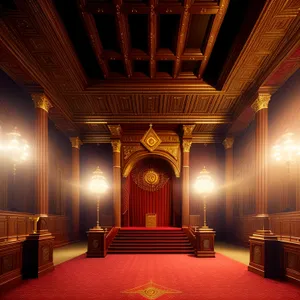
point(41, 101)
point(115, 130)
point(261, 102)
point(186, 145)
point(116, 145)
point(228, 143)
point(188, 130)
point(76, 142)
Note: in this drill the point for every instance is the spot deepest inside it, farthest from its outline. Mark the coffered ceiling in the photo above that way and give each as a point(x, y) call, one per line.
point(165, 62)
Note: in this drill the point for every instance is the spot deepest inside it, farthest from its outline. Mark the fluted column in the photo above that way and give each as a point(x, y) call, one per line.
point(76, 143)
point(228, 145)
point(42, 105)
point(260, 107)
point(116, 145)
point(186, 145)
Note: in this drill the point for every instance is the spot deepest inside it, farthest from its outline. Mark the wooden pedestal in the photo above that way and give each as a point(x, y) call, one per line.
point(37, 254)
point(265, 256)
point(96, 243)
point(205, 242)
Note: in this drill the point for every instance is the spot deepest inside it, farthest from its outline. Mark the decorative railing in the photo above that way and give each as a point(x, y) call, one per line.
point(110, 236)
point(15, 226)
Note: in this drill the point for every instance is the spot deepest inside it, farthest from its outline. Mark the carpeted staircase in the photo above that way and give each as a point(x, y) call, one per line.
point(150, 241)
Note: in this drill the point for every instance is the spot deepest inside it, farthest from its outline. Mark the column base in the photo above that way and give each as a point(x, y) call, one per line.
point(96, 242)
point(265, 254)
point(205, 242)
point(38, 254)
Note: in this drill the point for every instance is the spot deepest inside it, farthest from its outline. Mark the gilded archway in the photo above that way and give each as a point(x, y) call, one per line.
point(172, 156)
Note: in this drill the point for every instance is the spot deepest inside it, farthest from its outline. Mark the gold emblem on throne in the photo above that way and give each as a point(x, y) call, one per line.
point(151, 177)
point(151, 140)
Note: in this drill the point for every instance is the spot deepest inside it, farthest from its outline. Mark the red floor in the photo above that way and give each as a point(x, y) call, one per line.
point(153, 277)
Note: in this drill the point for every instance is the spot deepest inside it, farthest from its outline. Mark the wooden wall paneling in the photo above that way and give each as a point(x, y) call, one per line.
point(10, 264)
point(291, 261)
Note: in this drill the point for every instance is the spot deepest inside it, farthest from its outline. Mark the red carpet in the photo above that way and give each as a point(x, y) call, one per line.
point(181, 276)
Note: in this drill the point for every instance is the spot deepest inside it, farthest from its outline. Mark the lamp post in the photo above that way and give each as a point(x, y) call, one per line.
point(205, 236)
point(98, 186)
point(204, 186)
point(97, 236)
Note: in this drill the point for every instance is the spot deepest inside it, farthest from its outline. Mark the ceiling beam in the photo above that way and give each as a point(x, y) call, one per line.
point(93, 34)
point(145, 119)
point(218, 19)
point(123, 34)
point(152, 37)
point(182, 34)
point(207, 138)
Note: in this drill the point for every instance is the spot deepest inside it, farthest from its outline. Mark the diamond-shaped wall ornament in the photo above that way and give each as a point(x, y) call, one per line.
point(150, 139)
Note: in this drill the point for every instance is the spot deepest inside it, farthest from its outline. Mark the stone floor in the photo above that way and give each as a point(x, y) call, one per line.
point(68, 252)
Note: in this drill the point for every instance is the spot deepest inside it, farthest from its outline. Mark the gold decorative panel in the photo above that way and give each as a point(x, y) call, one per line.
point(151, 140)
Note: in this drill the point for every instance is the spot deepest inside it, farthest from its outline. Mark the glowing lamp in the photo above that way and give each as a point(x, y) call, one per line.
point(98, 186)
point(204, 186)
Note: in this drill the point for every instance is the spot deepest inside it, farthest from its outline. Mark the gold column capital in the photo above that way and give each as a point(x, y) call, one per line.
point(115, 130)
point(188, 129)
point(228, 143)
point(261, 102)
point(186, 145)
point(116, 145)
point(76, 142)
point(41, 101)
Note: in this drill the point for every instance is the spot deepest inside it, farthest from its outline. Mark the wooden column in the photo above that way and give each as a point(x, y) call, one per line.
point(116, 145)
point(38, 246)
point(42, 105)
point(264, 247)
point(186, 146)
point(76, 143)
point(228, 145)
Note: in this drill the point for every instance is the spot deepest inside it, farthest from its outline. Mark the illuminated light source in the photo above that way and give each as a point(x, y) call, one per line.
point(204, 186)
point(14, 147)
point(287, 149)
point(98, 186)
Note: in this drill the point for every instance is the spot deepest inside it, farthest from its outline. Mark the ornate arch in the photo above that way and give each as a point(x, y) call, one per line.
point(137, 156)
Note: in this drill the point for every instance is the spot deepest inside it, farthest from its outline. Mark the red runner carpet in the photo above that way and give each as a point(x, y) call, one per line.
point(156, 276)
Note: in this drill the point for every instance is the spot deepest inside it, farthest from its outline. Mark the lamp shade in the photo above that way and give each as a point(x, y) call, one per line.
point(98, 184)
point(204, 184)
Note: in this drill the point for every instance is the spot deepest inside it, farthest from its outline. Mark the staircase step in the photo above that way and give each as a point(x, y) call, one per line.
point(150, 241)
point(141, 251)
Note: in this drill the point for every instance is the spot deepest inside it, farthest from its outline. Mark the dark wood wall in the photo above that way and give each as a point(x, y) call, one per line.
point(283, 182)
point(17, 192)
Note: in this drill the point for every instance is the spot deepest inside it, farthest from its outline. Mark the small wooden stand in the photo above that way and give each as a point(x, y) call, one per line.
point(38, 254)
point(96, 243)
point(150, 220)
point(265, 255)
point(205, 242)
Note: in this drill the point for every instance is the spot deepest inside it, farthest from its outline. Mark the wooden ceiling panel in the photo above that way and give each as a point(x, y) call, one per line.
point(201, 104)
point(141, 62)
